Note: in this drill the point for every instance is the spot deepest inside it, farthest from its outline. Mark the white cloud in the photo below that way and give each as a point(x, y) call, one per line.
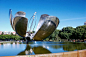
point(73, 19)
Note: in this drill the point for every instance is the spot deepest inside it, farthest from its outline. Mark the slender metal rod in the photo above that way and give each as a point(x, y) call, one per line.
point(35, 23)
point(32, 22)
point(29, 21)
point(34, 26)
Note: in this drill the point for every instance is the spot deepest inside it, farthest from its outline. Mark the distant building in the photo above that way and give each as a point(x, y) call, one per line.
point(85, 23)
point(5, 32)
point(0, 32)
point(9, 33)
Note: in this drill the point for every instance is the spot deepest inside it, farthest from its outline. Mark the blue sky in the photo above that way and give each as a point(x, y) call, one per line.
point(70, 12)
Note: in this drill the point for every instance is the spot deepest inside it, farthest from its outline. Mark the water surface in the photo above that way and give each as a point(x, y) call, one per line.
point(39, 47)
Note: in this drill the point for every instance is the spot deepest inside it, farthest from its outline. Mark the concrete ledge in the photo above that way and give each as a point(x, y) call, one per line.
point(79, 53)
point(82, 53)
point(70, 54)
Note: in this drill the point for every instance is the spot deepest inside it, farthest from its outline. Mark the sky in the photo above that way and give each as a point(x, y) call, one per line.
point(70, 12)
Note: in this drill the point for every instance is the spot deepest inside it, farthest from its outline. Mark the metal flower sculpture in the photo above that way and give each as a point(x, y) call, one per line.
point(46, 25)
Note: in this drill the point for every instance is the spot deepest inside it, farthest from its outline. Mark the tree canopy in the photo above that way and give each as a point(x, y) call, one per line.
point(69, 33)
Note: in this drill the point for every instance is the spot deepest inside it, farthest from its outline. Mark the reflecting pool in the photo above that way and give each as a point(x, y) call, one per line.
point(39, 47)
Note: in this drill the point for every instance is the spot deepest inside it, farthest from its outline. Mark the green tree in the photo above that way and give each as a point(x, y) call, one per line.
point(2, 33)
point(80, 32)
point(66, 33)
point(11, 33)
point(9, 37)
point(54, 36)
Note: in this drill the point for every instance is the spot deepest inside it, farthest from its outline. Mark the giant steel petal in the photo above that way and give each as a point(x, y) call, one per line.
point(20, 24)
point(47, 28)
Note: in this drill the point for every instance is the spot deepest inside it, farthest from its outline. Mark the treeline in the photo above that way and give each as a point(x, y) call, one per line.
point(68, 33)
point(10, 37)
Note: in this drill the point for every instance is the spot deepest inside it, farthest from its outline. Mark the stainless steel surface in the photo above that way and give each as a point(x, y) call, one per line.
point(47, 28)
point(41, 21)
point(20, 25)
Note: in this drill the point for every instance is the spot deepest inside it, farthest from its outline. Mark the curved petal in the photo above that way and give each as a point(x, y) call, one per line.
point(47, 28)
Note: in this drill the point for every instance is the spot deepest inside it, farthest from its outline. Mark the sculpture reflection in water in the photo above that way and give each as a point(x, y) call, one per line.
point(46, 25)
point(54, 48)
point(37, 50)
point(27, 51)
